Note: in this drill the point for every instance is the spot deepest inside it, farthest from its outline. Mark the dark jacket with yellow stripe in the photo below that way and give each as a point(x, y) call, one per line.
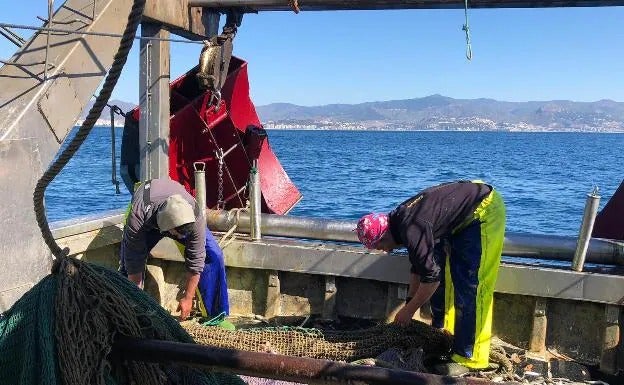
point(431, 215)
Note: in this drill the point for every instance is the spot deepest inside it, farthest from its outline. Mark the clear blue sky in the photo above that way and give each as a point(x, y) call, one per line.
point(349, 57)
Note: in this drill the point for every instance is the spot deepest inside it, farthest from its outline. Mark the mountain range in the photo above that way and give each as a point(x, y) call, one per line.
point(437, 112)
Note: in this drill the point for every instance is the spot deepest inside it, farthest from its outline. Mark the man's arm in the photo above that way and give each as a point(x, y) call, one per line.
point(413, 286)
point(195, 257)
point(134, 248)
point(186, 302)
point(423, 294)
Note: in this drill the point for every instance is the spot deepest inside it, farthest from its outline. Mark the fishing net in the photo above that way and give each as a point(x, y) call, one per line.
point(385, 345)
point(330, 345)
point(63, 329)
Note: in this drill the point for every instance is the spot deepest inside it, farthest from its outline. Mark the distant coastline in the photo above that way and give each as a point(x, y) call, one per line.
point(434, 113)
point(560, 131)
point(101, 123)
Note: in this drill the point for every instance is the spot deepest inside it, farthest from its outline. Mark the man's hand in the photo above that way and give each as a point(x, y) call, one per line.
point(184, 307)
point(137, 279)
point(186, 303)
point(404, 316)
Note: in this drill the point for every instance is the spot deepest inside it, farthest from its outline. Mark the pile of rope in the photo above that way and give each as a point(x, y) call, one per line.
point(63, 330)
point(333, 345)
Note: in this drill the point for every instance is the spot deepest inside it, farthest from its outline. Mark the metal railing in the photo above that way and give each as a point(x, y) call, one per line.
point(277, 366)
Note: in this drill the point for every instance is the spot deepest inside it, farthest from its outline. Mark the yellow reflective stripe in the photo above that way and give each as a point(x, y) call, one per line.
point(449, 298)
point(491, 214)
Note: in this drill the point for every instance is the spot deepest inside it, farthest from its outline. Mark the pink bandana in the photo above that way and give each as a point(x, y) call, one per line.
point(371, 228)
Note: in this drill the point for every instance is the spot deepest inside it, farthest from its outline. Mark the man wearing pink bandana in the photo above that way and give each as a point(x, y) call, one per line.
point(454, 235)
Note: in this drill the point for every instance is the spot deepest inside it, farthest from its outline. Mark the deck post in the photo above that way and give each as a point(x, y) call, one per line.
point(610, 340)
point(537, 342)
point(273, 306)
point(329, 304)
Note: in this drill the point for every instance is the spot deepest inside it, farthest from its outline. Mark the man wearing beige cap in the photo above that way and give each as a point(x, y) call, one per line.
point(163, 208)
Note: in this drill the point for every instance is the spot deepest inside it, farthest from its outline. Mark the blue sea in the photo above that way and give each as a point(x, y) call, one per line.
point(543, 177)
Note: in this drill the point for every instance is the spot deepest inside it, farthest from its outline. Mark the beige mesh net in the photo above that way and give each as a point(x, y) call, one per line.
point(330, 345)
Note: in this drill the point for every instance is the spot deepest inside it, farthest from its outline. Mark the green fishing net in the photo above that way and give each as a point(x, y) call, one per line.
point(62, 332)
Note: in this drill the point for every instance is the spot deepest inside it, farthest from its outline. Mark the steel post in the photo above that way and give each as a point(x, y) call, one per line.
point(587, 226)
point(154, 103)
point(516, 244)
point(276, 366)
point(255, 202)
point(200, 186)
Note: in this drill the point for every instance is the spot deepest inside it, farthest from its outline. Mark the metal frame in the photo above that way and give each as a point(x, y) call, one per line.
point(600, 284)
point(330, 5)
point(35, 116)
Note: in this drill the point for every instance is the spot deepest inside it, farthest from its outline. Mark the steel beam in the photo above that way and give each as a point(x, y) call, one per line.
point(277, 366)
point(516, 244)
point(154, 103)
point(194, 24)
point(332, 5)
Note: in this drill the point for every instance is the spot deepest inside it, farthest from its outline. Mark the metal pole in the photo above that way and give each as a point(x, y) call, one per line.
point(587, 225)
point(113, 152)
point(12, 37)
point(322, 5)
point(277, 366)
point(255, 202)
point(516, 244)
point(47, 50)
point(93, 33)
point(200, 186)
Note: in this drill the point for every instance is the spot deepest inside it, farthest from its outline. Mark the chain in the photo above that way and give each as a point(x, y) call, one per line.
point(220, 202)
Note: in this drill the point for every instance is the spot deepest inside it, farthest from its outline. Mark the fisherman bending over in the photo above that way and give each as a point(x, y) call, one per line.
point(454, 235)
point(163, 208)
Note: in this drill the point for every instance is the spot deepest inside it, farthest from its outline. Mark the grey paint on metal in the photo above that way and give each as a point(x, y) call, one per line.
point(287, 226)
point(194, 24)
point(25, 257)
point(602, 285)
point(154, 103)
point(84, 224)
point(565, 284)
point(587, 226)
point(77, 63)
point(35, 117)
point(324, 5)
point(336, 260)
point(516, 244)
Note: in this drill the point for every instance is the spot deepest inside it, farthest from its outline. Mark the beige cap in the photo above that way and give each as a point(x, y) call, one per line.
point(175, 212)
